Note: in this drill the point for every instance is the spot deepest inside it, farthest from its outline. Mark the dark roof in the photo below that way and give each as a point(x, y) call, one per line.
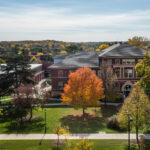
point(119, 50)
point(90, 59)
point(80, 59)
point(61, 56)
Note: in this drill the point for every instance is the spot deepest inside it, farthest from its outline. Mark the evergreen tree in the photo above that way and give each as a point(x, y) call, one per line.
point(16, 71)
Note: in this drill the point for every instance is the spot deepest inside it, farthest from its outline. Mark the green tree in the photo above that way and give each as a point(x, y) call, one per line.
point(138, 106)
point(73, 48)
point(1, 111)
point(84, 144)
point(143, 70)
point(17, 71)
point(2, 61)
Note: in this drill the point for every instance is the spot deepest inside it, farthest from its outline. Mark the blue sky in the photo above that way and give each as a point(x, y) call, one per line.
point(74, 20)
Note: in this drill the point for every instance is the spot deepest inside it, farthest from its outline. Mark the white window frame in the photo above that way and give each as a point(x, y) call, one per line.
point(128, 61)
point(128, 73)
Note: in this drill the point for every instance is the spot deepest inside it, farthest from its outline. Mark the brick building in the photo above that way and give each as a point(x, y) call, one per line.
point(38, 72)
point(121, 57)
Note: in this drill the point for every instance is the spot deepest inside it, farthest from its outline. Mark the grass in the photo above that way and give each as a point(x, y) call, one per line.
point(5, 97)
point(6, 102)
point(47, 145)
point(95, 121)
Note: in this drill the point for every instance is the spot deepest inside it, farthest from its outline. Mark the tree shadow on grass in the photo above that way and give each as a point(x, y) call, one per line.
point(108, 111)
point(34, 126)
point(93, 123)
point(90, 124)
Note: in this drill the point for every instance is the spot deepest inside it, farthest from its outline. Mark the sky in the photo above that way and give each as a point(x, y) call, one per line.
point(74, 20)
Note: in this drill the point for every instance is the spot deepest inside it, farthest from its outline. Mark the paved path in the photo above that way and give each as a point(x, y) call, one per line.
point(73, 136)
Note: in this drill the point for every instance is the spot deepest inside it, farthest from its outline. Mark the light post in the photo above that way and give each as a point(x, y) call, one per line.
point(129, 120)
point(45, 121)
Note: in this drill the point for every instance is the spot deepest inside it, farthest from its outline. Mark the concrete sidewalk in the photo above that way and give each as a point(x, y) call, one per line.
point(72, 136)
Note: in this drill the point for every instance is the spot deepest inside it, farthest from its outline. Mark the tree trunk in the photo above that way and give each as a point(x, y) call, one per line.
point(31, 114)
point(21, 121)
point(58, 142)
point(137, 136)
point(83, 113)
point(137, 128)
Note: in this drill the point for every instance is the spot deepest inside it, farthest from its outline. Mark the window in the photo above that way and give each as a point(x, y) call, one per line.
point(60, 85)
point(109, 61)
point(60, 73)
point(128, 73)
point(117, 72)
point(128, 61)
point(99, 73)
point(117, 61)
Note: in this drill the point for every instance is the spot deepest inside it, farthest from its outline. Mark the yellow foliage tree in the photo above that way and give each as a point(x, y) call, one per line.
point(138, 106)
point(97, 50)
point(84, 89)
point(143, 70)
point(60, 131)
point(34, 59)
point(62, 46)
point(39, 53)
point(68, 44)
point(63, 52)
point(139, 41)
point(84, 144)
point(103, 46)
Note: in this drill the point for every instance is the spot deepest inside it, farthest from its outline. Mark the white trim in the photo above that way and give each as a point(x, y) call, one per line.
point(126, 83)
point(109, 49)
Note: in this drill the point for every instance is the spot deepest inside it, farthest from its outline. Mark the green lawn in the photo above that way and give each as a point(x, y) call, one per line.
point(6, 102)
point(47, 145)
point(5, 97)
point(95, 121)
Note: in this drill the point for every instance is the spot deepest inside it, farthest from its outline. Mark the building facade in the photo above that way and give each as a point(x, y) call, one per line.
point(38, 72)
point(121, 57)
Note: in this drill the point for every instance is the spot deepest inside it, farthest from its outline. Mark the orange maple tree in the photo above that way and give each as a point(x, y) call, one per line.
point(83, 89)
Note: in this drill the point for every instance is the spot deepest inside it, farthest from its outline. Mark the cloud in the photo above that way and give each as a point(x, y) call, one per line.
point(63, 22)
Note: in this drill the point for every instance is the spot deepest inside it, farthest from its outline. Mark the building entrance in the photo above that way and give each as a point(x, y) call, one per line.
point(127, 90)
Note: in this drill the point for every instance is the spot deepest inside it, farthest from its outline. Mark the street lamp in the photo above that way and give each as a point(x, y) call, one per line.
point(129, 120)
point(45, 121)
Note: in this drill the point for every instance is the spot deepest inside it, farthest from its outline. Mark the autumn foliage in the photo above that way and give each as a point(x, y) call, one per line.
point(84, 89)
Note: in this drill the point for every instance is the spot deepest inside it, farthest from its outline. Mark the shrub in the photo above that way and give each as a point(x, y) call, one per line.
point(112, 122)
